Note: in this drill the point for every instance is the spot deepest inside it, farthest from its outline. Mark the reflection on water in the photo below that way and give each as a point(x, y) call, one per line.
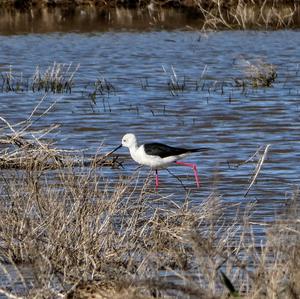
point(90, 19)
point(177, 88)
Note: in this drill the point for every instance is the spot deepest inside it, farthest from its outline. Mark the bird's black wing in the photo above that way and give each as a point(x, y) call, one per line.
point(163, 150)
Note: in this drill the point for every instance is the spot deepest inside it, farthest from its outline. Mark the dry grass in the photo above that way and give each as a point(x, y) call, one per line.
point(80, 233)
point(244, 14)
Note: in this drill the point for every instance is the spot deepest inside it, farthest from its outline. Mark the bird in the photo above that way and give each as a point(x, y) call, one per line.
point(158, 155)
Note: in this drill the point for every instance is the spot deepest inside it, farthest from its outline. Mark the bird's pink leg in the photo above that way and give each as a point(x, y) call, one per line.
point(194, 166)
point(156, 179)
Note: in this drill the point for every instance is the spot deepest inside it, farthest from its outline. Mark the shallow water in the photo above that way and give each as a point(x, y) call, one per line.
point(210, 111)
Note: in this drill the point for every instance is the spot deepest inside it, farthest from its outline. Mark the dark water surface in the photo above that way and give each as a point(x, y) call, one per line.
point(210, 111)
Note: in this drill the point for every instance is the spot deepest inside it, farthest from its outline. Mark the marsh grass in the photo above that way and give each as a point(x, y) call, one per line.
point(58, 78)
point(175, 84)
point(101, 89)
point(80, 233)
point(13, 82)
point(101, 93)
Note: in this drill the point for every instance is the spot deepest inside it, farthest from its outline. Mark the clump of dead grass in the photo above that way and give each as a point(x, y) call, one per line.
point(262, 74)
point(258, 74)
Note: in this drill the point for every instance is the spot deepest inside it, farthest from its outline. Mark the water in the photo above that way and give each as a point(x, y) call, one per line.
point(210, 111)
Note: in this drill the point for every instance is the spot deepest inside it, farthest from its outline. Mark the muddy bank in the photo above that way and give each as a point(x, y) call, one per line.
point(91, 15)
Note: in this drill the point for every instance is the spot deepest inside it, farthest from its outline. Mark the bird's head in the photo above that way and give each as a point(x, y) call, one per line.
point(128, 140)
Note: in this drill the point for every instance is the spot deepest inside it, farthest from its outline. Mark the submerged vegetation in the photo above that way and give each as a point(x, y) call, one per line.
point(57, 78)
point(61, 78)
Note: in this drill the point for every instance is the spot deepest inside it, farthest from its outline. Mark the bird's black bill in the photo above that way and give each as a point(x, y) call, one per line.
point(109, 153)
point(116, 149)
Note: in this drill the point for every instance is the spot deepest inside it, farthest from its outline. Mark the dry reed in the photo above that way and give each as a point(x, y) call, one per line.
point(247, 14)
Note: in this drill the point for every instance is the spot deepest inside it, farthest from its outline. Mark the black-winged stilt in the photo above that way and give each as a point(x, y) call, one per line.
point(158, 155)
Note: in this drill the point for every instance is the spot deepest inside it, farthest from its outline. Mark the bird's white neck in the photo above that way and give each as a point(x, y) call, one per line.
point(133, 148)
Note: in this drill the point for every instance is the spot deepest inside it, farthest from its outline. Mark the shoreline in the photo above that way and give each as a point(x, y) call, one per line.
point(134, 4)
point(33, 16)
